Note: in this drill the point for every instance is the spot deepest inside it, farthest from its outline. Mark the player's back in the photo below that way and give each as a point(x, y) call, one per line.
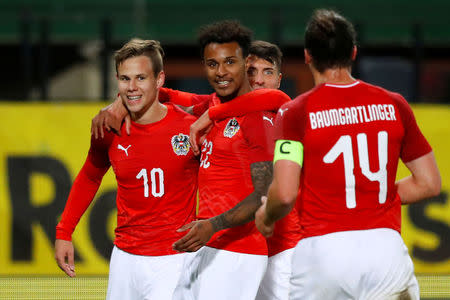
point(353, 136)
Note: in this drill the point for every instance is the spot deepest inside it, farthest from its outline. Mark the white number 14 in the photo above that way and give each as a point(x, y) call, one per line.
point(344, 146)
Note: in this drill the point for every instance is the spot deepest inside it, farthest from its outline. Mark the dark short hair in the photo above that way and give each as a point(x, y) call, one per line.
point(137, 47)
point(225, 32)
point(329, 39)
point(267, 51)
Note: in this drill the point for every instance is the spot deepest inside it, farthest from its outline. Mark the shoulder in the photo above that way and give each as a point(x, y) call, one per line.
point(105, 142)
point(395, 98)
point(179, 114)
point(297, 105)
point(374, 89)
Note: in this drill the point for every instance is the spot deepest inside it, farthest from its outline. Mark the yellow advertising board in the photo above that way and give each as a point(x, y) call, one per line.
point(426, 225)
point(44, 147)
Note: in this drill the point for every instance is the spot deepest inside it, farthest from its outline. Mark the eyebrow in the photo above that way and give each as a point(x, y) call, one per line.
point(213, 59)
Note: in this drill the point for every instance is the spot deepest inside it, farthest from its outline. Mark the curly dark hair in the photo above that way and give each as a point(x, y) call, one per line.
point(226, 31)
point(329, 39)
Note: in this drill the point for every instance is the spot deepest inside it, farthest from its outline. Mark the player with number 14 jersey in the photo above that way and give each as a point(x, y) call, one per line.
point(349, 133)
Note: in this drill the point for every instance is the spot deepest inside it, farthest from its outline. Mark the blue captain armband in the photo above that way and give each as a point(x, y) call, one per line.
point(288, 150)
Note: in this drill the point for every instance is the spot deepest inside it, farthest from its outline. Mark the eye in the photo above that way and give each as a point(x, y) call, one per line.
point(251, 72)
point(268, 72)
point(141, 77)
point(123, 78)
point(211, 64)
point(229, 61)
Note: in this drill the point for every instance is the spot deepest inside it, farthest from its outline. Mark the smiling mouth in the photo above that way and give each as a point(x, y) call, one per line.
point(223, 83)
point(133, 98)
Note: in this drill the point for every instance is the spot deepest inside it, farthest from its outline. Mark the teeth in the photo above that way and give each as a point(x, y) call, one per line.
point(133, 97)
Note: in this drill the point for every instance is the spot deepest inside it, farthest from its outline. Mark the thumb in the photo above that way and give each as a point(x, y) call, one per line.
point(186, 227)
point(264, 200)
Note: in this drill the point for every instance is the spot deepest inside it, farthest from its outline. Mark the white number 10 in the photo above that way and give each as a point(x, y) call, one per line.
point(154, 180)
point(344, 146)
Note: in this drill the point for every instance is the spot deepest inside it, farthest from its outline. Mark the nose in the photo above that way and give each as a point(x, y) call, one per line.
point(258, 79)
point(132, 85)
point(221, 70)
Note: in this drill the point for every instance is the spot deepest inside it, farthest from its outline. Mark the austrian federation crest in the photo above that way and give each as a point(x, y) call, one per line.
point(231, 129)
point(180, 144)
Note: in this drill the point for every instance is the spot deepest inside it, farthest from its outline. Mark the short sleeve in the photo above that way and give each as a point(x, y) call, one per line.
point(414, 143)
point(290, 122)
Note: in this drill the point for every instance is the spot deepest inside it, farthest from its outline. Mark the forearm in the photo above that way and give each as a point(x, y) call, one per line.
point(81, 195)
point(411, 190)
point(424, 182)
point(244, 211)
point(283, 191)
point(241, 214)
point(257, 100)
point(276, 209)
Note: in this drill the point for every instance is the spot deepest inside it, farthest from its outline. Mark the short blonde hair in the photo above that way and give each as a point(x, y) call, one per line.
point(137, 47)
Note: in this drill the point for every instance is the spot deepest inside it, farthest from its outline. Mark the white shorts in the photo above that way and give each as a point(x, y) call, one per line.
point(143, 277)
point(363, 264)
point(218, 274)
point(275, 283)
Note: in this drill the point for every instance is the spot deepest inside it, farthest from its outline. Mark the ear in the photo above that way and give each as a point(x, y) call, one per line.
point(279, 79)
point(160, 79)
point(247, 61)
point(354, 53)
point(308, 58)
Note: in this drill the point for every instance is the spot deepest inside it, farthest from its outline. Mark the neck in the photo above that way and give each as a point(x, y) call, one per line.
point(154, 113)
point(333, 76)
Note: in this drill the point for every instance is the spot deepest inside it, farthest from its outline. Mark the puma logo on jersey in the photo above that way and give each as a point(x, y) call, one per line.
point(281, 111)
point(268, 119)
point(120, 147)
point(231, 129)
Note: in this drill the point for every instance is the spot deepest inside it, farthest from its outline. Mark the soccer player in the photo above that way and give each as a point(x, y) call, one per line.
point(235, 169)
point(156, 174)
point(264, 72)
point(340, 144)
point(264, 65)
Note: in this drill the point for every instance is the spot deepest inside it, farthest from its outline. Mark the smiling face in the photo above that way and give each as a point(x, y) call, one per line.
point(262, 74)
point(225, 69)
point(138, 86)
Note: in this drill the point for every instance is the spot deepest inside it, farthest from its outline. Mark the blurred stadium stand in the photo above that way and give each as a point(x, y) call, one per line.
point(44, 39)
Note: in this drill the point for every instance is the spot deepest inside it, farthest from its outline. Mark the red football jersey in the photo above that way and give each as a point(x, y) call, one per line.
point(353, 136)
point(156, 174)
point(229, 149)
point(286, 234)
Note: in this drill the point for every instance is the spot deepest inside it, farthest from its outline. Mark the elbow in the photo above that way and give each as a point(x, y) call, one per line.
point(435, 187)
point(286, 198)
point(432, 187)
